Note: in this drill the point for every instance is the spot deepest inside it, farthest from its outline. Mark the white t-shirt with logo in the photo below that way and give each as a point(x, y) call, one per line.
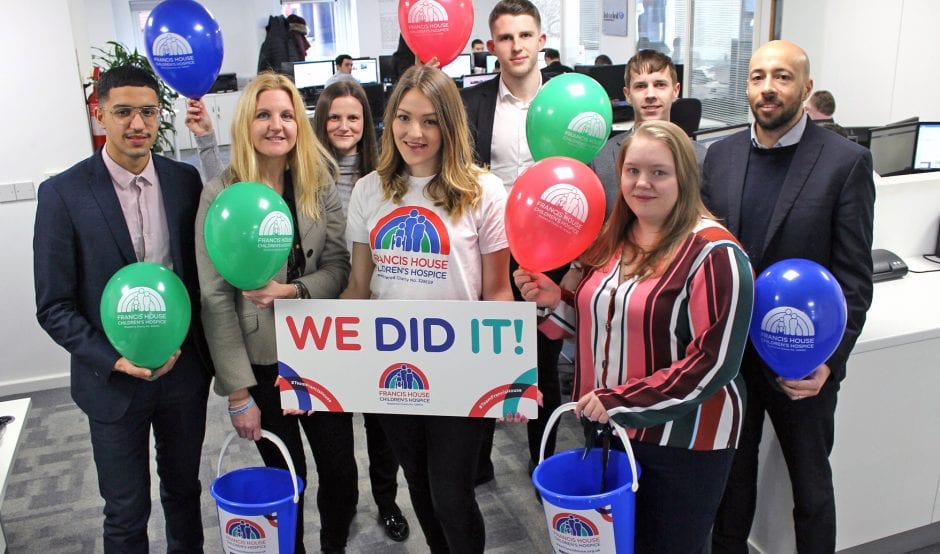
point(419, 251)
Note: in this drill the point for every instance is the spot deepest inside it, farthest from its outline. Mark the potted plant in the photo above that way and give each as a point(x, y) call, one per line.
point(116, 54)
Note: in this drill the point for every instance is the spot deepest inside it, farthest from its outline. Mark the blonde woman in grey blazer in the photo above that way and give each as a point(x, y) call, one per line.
point(273, 143)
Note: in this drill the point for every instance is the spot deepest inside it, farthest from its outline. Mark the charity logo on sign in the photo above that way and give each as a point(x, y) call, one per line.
point(172, 51)
point(141, 307)
point(411, 244)
point(404, 384)
point(788, 328)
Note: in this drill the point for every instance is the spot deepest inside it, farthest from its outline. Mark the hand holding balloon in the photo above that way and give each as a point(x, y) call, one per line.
point(807, 387)
point(264, 297)
point(123, 365)
point(538, 288)
point(197, 118)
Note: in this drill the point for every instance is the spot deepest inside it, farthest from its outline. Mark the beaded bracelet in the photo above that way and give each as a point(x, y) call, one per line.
point(243, 408)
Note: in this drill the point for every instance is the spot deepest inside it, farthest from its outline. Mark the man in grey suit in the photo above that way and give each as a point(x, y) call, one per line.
point(651, 85)
point(789, 189)
point(120, 206)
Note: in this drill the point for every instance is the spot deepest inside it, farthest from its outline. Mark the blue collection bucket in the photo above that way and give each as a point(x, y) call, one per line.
point(257, 505)
point(581, 518)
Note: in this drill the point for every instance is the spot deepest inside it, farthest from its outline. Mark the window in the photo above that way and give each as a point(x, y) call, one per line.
point(322, 26)
point(717, 41)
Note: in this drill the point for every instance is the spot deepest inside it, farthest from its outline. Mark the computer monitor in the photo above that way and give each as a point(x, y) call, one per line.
point(387, 68)
point(365, 70)
point(892, 148)
point(483, 61)
point(927, 152)
point(473, 80)
point(610, 77)
point(312, 74)
point(462, 65)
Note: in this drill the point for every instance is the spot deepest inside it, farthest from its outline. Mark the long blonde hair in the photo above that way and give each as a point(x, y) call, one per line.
point(456, 186)
point(689, 208)
point(312, 167)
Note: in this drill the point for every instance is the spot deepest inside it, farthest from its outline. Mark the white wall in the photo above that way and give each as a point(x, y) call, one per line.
point(876, 57)
point(45, 129)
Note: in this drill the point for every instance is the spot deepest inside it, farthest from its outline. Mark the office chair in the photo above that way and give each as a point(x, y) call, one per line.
point(687, 114)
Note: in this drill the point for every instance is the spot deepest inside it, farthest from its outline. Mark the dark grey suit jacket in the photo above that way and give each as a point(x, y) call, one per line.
point(480, 101)
point(80, 240)
point(824, 213)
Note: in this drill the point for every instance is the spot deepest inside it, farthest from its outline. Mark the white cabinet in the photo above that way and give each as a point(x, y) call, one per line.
point(221, 108)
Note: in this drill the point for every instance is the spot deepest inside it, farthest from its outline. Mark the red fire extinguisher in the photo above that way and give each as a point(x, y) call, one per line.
point(97, 131)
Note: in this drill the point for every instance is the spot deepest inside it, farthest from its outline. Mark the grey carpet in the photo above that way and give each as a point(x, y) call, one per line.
point(52, 502)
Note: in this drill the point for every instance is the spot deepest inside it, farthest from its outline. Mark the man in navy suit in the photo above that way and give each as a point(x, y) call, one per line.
point(789, 189)
point(120, 206)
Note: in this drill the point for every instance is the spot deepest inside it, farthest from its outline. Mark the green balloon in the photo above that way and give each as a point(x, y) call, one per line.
point(249, 232)
point(571, 117)
point(145, 312)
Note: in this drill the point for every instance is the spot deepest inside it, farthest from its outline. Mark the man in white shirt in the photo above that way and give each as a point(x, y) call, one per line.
point(496, 110)
point(344, 67)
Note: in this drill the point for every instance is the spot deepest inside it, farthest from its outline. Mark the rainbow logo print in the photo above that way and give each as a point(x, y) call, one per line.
point(411, 229)
point(403, 384)
point(244, 529)
point(574, 525)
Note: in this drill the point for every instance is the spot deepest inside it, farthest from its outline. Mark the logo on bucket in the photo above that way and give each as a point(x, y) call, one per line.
point(403, 384)
point(141, 307)
point(172, 51)
point(275, 232)
point(787, 328)
point(565, 206)
point(575, 531)
point(244, 529)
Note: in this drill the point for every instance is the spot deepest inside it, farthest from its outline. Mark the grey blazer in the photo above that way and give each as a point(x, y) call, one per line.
point(238, 333)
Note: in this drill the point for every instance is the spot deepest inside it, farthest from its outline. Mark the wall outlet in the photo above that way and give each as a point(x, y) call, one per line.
point(25, 190)
point(7, 193)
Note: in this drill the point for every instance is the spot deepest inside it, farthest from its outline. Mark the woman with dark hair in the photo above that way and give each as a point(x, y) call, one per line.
point(426, 176)
point(660, 316)
point(343, 123)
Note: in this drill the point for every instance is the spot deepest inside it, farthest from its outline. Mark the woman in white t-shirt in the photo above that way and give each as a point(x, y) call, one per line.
point(428, 225)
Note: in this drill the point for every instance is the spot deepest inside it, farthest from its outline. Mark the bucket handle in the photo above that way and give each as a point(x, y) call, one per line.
point(280, 446)
point(621, 432)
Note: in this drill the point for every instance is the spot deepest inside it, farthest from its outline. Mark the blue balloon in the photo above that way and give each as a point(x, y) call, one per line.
point(799, 317)
point(184, 46)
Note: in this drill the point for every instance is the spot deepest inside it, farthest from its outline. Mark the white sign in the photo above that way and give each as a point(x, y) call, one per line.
point(615, 19)
point(454, 358)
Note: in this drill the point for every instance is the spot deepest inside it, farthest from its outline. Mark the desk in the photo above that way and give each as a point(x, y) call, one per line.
point(886, 458)
point(8, 444)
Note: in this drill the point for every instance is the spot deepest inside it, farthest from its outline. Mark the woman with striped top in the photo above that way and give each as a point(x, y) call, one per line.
point(660, 316)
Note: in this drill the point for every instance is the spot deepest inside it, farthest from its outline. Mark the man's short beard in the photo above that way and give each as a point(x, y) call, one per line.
point(779, 121)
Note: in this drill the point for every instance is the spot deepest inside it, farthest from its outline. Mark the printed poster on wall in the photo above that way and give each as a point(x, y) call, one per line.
point(614, 22)
point(453, 358)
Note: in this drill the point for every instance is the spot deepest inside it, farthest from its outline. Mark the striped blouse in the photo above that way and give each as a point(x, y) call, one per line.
point(663, 353)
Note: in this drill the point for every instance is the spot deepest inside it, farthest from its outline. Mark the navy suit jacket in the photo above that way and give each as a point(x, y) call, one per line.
point(824, 213)
point(480, 101)
point(80, 240)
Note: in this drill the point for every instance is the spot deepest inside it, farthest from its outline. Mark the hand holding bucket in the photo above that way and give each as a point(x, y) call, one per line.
point(575, 513)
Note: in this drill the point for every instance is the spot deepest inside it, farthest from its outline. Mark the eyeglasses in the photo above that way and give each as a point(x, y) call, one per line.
point(126, 113)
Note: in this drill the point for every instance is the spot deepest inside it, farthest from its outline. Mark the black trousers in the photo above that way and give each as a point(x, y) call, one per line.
point(383, 467)
point(439, 457)
point(174, 406)
point(330, 436)
point(678, 496)
point(805, 429)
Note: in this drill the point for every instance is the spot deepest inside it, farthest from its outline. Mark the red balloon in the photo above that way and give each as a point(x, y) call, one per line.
point(554, 212)
point(436, 27)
